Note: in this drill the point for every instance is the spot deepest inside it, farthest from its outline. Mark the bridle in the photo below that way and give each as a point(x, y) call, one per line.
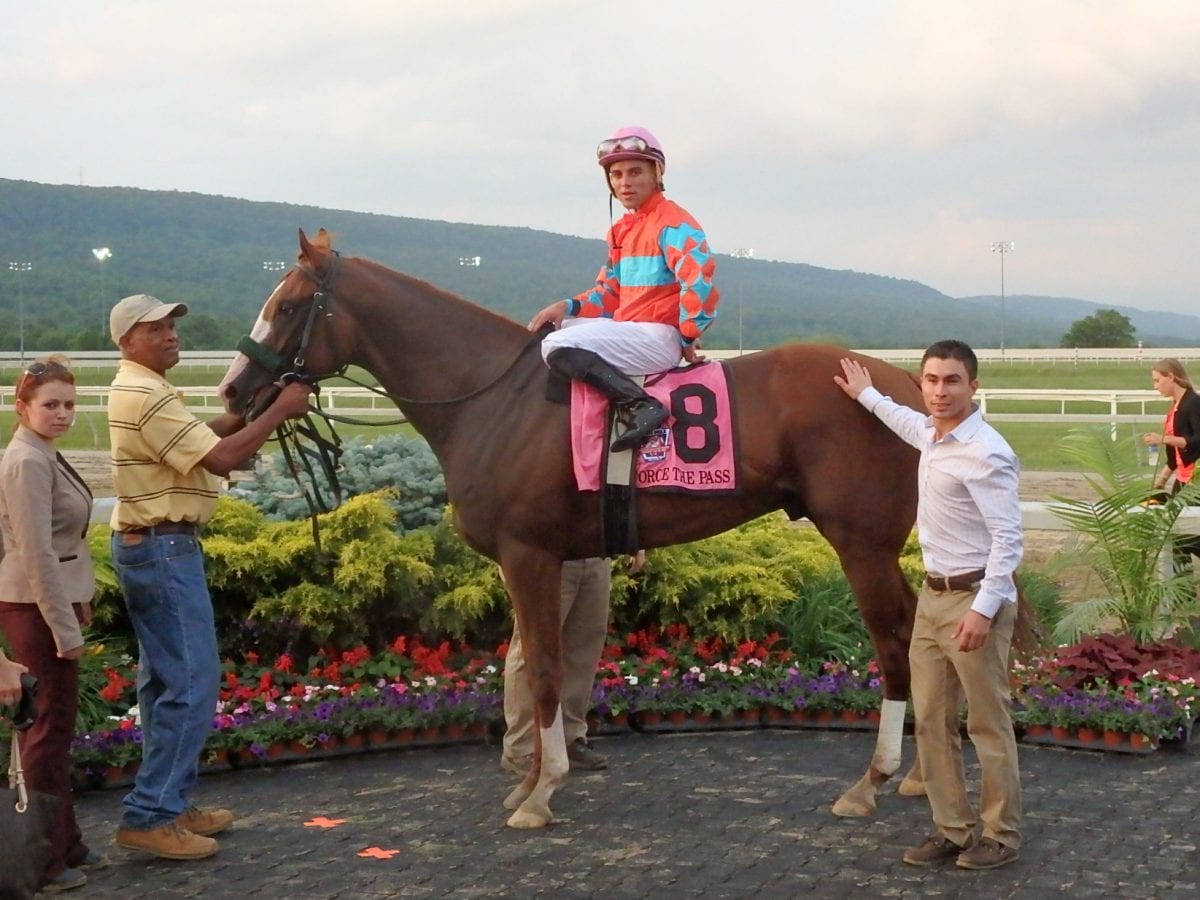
point(322, 302)
point(322, 452)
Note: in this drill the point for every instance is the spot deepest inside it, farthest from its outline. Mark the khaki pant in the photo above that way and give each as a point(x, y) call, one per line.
point(942, 676)
point(584, 609)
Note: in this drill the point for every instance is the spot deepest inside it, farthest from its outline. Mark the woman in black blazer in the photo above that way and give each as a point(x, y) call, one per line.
point(1180, 436)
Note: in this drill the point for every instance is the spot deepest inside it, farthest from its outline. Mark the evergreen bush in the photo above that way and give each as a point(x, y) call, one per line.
point(406, 465)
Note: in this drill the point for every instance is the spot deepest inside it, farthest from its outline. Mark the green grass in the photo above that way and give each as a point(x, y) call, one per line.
point(1116, 376)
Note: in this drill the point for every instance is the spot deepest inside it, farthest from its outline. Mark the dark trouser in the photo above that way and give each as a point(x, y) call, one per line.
point(1185, 547)
point(46, 746)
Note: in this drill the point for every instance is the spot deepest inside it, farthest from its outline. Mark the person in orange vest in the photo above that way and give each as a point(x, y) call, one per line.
point(652, 299)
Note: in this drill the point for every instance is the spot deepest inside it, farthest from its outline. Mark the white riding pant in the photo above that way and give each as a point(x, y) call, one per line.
point(635, 348)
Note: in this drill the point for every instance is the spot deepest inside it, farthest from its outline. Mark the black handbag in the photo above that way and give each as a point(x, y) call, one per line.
point(24, 817)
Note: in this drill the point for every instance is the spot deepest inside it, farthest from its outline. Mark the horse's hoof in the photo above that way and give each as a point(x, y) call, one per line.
point(526, 818)
point(910, 787)
point(849, 807)
point(857, 802)
point(518, 796)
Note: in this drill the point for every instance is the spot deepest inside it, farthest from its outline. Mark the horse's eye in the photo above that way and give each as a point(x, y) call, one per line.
point(286, 309)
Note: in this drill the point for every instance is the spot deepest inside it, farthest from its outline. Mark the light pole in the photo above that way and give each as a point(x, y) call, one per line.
point(102, 254)
point(741, 253)
point(1002, 247)
point(19, 268)
point(274, 266)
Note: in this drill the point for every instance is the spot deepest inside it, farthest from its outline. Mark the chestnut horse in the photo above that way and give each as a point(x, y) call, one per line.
point(474, 385)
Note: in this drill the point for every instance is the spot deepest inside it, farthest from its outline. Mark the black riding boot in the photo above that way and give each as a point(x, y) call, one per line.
point(637, 410)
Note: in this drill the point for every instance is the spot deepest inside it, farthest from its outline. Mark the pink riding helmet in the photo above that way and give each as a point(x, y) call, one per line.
point(630, 142)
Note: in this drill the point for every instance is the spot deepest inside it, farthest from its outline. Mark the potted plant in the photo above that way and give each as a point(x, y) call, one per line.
point(1125, 539)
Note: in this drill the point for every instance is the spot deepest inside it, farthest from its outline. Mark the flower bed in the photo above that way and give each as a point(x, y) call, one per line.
point(1109, 684)
point(410, 693)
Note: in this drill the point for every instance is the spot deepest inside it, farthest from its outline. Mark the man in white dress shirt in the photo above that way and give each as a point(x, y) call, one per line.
point(969, 527)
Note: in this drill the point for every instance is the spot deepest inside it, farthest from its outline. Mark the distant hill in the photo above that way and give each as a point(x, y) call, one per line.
point(210, 251)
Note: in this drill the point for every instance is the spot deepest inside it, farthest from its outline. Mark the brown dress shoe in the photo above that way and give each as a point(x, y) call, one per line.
point(935, 849)
point(204, 821)
point(582, 756)
point(168, 841)
point(988, 854)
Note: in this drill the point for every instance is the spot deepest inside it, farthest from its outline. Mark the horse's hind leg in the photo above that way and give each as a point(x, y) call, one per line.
point(888, 605)
point(534, 582)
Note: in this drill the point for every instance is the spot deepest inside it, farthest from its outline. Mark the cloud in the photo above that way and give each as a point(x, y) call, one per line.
point(891, 136)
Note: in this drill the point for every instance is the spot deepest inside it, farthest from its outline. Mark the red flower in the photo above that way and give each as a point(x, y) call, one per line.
point(111, 692)
point(284, 663)
point(357, 656)
point(252, 657)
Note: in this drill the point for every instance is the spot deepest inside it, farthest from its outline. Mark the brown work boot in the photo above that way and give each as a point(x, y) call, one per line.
point(935, 849)
point(204, 821)
point(168, 841)
point(582, 756)
point(988, 854)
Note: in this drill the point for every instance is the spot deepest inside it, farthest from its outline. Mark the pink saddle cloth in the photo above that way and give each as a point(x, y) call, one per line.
point(692, 451)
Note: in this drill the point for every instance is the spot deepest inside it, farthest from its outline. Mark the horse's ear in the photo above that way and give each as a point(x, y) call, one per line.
point(308, 248)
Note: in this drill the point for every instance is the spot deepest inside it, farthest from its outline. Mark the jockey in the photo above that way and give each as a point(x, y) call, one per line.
point(652, 299)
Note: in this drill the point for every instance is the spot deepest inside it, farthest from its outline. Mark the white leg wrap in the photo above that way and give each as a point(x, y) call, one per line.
point(891, 732)
point(554, 747)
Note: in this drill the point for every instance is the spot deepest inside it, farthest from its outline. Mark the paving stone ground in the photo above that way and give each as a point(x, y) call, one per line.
point(713, 815)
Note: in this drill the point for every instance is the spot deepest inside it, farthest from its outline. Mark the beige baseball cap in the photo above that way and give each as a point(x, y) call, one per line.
point(140, 308)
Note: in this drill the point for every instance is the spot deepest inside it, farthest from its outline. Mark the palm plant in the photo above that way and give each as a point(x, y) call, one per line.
point(1126, 541)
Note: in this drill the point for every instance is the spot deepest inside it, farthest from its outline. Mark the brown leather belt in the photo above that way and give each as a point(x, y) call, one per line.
point(967, 581)
point(163, 528)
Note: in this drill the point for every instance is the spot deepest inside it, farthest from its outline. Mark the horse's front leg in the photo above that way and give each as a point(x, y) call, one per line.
point(534, 583)
point(859, 800)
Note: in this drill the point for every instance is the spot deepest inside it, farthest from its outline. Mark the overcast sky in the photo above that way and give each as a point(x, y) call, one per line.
point(899, 138)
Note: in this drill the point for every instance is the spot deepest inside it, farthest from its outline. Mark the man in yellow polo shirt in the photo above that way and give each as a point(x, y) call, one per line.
point(166, 468)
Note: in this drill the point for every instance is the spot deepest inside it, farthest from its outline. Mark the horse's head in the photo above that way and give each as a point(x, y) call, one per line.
point(295, 335)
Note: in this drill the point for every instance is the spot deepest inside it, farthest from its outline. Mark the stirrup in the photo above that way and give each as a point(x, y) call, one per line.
point(642, 425)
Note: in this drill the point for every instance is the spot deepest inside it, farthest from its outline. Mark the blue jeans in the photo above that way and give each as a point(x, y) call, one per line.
point(179, 670)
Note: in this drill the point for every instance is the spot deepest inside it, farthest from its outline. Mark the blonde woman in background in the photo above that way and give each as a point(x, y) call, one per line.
point(1180, 438)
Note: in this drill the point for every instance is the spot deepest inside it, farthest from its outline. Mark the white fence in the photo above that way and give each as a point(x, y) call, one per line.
point(1094, 406)
point(1148, 355)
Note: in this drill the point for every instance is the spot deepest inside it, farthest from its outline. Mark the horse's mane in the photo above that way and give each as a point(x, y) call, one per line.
point(411, 283)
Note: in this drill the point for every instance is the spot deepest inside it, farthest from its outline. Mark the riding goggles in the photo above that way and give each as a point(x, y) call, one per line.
point(630, 144)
